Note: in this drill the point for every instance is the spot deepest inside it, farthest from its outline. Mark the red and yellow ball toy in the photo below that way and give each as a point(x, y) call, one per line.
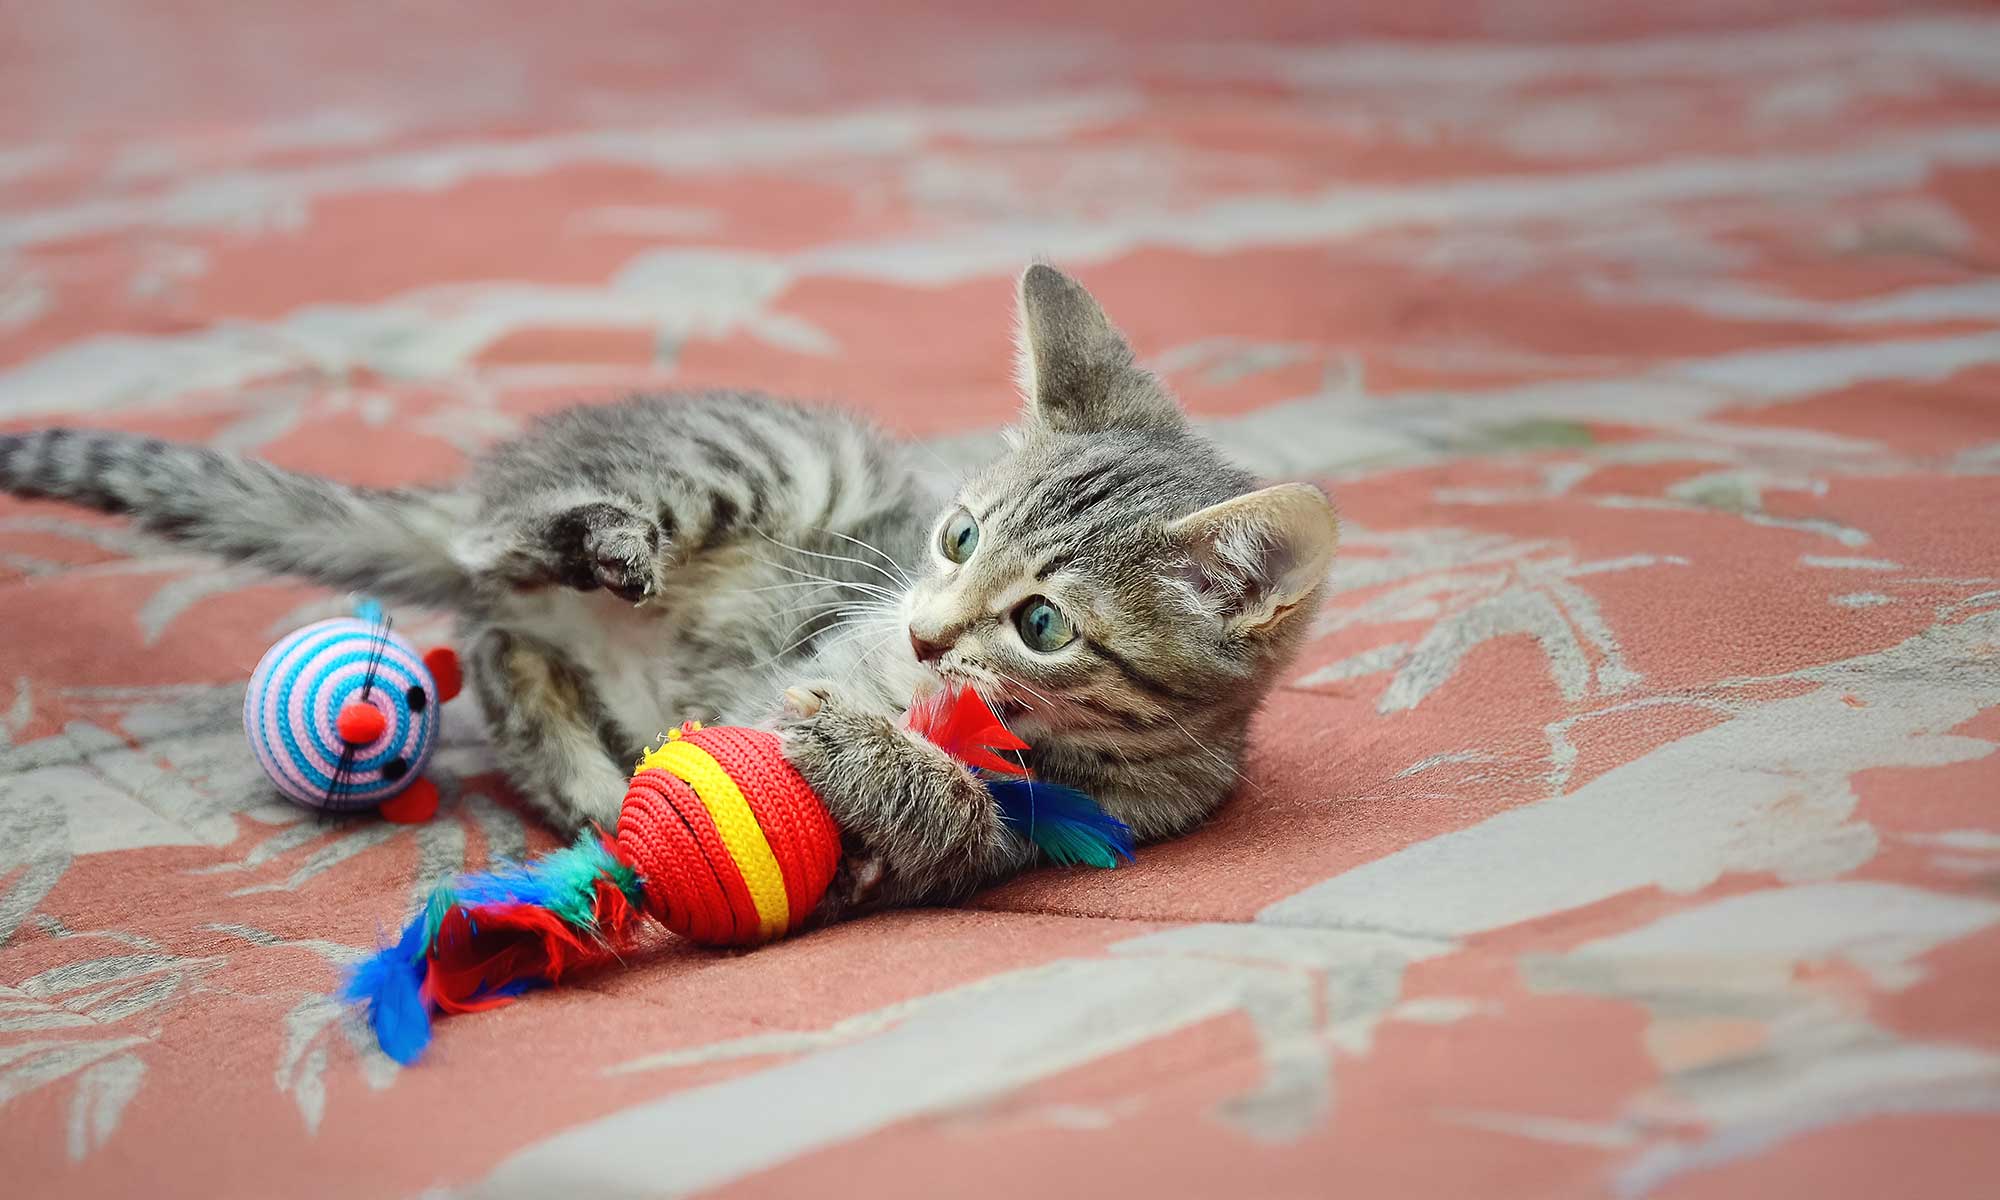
point(733, 846)
point(720, 839)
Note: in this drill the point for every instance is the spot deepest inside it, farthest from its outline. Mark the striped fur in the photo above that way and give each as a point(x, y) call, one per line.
point(723, 556)
point(392, 542)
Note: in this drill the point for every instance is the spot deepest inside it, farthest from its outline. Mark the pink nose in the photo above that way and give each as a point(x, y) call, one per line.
point(359, 723)
point(926, 652)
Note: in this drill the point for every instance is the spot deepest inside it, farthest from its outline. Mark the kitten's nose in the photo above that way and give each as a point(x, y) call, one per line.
point(926, 652)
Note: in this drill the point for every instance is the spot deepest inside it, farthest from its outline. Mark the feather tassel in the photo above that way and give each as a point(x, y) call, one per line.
point(961, 724)
point(1067, 825)
point(388, 987)
point(483, 939)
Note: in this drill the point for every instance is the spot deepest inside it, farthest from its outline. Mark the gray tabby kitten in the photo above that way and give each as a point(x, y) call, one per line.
point(1123, 596)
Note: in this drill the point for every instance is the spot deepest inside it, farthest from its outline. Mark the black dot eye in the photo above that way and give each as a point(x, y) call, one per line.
point(960, 537)
point(395, 769)
point(416, 698)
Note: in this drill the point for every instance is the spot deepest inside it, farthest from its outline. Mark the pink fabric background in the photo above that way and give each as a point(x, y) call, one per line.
point(1627, 829)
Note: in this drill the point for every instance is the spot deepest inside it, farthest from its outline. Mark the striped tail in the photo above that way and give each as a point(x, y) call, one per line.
point(395, 544)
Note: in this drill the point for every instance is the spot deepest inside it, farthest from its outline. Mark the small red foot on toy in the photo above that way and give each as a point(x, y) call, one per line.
point(414, 805)
point(443, 664)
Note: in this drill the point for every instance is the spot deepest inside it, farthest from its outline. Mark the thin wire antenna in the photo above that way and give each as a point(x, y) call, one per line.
point(347, 751)
point(340, 770)
point(375, 656)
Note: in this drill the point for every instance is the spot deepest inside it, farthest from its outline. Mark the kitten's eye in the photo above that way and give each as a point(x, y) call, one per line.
point(960, 537)
point(1043, 626)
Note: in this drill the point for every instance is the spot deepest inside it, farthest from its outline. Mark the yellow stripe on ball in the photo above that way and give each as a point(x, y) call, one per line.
point(735, 824)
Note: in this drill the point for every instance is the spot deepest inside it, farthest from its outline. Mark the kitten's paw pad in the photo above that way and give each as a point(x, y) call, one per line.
point(626, 578)
point(804, 701)
point(605, 546)
point(860, 879)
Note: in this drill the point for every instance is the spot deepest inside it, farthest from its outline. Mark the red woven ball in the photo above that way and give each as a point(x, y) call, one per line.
point(706, 856)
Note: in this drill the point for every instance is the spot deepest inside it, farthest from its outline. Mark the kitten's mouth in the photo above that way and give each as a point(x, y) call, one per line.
point(998, 696)
point(1007, 706)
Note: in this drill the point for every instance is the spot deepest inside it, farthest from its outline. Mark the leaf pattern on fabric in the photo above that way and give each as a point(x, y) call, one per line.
point(1625, 826)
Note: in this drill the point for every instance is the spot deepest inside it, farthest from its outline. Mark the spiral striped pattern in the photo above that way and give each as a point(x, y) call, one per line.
point(295, 697)
point(733, 847)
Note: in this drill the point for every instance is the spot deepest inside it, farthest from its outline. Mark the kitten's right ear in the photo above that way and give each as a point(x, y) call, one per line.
point(1254, 558)
point(1076, 370)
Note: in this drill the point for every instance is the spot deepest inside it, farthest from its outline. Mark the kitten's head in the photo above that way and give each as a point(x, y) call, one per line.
point(1111, 570)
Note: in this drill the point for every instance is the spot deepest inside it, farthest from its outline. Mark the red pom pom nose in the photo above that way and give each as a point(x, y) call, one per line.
point(360, 723)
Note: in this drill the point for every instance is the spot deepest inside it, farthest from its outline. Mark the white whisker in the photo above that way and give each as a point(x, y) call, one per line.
point(875, 606)
point(1211, 755)
point(846, 558)
point(886, 619)
point(848, 639)
point(865, 623)
point(785, 586)
point(873, 589)
point(1023, 684)
point(876, 550)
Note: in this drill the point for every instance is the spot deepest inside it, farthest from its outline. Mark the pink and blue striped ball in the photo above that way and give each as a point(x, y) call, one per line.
point(293, 706)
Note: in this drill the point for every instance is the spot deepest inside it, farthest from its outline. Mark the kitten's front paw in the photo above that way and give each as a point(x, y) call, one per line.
point(603, 545)
point(821, 730)
point(803, 702)
point(914, 823)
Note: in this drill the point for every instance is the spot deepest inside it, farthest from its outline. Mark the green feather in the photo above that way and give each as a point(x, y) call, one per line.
point(563, 881)
point(441, 901)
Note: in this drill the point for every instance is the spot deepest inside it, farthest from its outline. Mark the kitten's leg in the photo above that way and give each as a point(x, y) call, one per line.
point(917, 826)
point(584, 546)
point(618, 496)
point(547, 730)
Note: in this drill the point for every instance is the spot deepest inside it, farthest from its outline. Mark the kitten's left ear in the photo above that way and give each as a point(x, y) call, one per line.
point(1256, 556)
point(1076, 369)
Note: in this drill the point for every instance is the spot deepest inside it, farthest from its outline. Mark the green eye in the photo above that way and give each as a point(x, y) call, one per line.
point(1043, 626)
point(960, 537)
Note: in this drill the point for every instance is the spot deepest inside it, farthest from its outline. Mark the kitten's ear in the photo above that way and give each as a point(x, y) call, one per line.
point(1254, 557)
point(1075, 368)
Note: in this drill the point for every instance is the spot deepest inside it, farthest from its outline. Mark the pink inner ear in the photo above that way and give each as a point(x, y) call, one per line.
point(1239, 571)
point(1264, 548)
point(1273, 560)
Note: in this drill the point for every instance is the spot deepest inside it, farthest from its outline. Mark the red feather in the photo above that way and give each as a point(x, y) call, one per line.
point(487, 954)
point(963, 726)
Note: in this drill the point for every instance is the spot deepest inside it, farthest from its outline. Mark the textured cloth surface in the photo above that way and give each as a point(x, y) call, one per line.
point(1628, 828)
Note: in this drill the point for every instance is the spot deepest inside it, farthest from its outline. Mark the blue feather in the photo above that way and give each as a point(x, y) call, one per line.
point(388, 985)
point(1067, 825)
